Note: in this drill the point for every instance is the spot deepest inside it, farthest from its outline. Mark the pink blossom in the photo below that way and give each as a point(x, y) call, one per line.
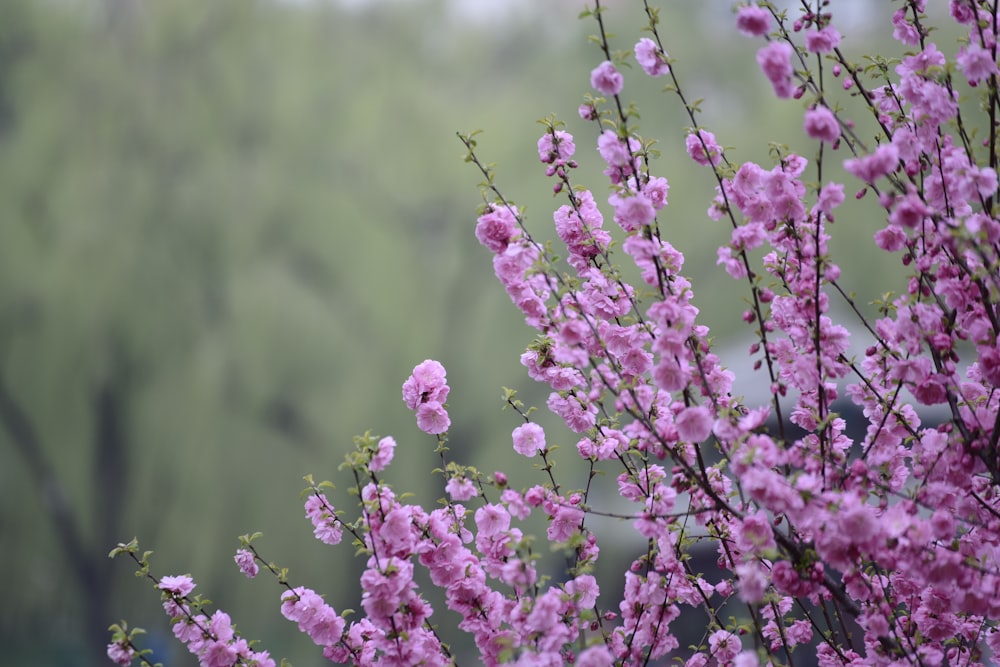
point(975, 63)
point(595, 656)
point(822, 41)
point(426, 384)
point(656, 190)
point(556, 147)
point(247, 563)
point(180, 585)
point(121, 654)
point(650, 58)
point(873, 166)
point(460, 489)
point(694, 424)
point(634, 212)
point(606, 80)
point(326, 526)
point(529, 439)
point(432, 418)
point(383, 454)
point(753, 21)
point(703, 149)
point(821, 123)
point(775, 61)
point(724, 645)
point(614, 151)
point(496, 227)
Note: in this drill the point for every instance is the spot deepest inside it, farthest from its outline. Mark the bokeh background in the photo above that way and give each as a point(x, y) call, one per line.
point(230, 229)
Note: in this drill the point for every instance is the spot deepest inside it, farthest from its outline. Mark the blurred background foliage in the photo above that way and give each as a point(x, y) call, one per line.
point(230, 229)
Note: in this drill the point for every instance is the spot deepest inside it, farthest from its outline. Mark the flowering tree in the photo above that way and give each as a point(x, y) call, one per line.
point(879, 550)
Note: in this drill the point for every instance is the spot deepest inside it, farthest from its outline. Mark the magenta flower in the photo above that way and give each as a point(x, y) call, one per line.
point(383, 455)
point(556, 147)
point(634, 212)
point(649, 56)
point(529, 439)
point(702, 148)
point(975, 63)
point(180, 585)
point(121, 654)
point(694, 424)
point(873, 166)
point(606, 80)
point(821, 123)
point(496, 227)
point(426, 391)
point(822, 41)
point(775, 61)
point(247, 563)
point(753, 21)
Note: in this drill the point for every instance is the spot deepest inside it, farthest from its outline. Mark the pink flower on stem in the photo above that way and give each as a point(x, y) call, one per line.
point(976, 63)
point(460, 489)
point(383, 455)
point(822, 41)
point(694, 424)
point(649, 56)
point(775, 61)
point(496, 227)
point(432, 418)
point(326, 526)
point(180, 585)
point(529, 439)
point(821, 123)
point(121, 654)
point(873, 166)
point(606, 79)
point(753, 21)
point(247, 563)
point(426, 391)
point(426, 383)
point(702, 148)
point(556, 147)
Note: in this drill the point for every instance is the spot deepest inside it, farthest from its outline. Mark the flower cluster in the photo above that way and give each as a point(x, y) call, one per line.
point(880, 549)
point(425, 392)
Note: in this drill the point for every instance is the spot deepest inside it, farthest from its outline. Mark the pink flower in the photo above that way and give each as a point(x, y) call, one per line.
point(751, 582)
point(822, 41)
point(694, 424)
point(606, 80)
point(495, 228)
point(873, 166)
point(427, 383)
point(529, 439)
point(632, 213)
point(460, 489)
point(556, 147)
point(702, 148)
point(121, 654)
point(247, 563)
point(383, 455)
point(432, 418)
point(821, 123)
point(657, 189)
point(614, 151)
point(180, 585)
point(595, 656)
point(775, 61)
point(976, 63)
point(724, 645)
point(650, 58)
point(753, 21)
point(326, 526)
